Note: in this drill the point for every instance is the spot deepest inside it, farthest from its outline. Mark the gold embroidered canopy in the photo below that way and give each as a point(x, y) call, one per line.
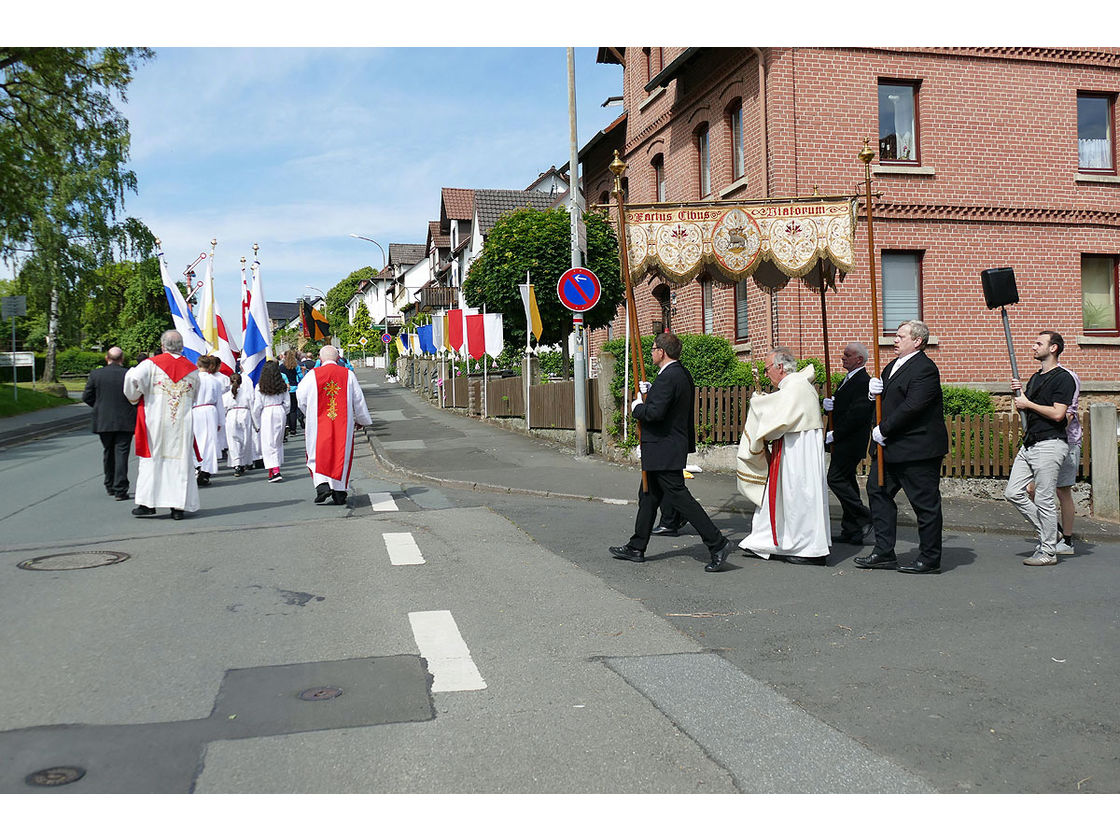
point(738, 240)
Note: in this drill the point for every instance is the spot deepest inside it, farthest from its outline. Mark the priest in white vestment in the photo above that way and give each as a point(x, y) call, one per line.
point(781, 467)
point(164, 388)
point(332, 402)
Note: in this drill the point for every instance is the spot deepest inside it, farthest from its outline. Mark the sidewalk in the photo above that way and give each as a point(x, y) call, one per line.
point(45, 421)
point(410, 435)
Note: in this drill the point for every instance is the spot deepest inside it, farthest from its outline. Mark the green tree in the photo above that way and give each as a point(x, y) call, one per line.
point(338, 298)
point(539, 241)
point(63, 150)
point(145, 314)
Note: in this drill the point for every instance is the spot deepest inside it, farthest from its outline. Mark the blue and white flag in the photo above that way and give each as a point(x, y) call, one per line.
point(194, 345)
point(256, 348)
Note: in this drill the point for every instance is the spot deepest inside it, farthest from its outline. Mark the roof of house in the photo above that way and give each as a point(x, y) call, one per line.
point(491, 205)
point(455, 204)
point(282, 310)
point(405, 254)
point(552, 171)
point(440, 240)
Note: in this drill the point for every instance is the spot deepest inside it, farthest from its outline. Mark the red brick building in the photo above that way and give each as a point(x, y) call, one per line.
point(985, 157)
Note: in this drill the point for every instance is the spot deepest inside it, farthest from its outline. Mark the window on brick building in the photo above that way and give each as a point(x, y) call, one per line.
point(898, 121)
point(741, 311)
point(706, 297)
point(704, 159)
point(902, 288)
point(1099, 309)
point(647, 57)
point(659, 177)
point(1096, 148)
point(735, 123)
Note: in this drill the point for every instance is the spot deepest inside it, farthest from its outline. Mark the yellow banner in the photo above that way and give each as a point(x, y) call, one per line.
point(734, 240)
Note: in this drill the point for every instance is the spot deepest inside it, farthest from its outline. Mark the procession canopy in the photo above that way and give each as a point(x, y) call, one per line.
point(769, 240)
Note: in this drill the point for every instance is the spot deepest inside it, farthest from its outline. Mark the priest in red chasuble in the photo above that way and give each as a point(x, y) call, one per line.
point(333, 403)
point(164, 388)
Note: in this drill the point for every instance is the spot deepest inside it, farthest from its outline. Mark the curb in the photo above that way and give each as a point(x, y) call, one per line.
point(42, 430)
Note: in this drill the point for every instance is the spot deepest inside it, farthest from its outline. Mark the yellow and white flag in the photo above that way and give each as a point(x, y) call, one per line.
point(532, 313)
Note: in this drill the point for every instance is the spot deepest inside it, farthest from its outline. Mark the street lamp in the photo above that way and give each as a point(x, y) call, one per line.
point(384, 264)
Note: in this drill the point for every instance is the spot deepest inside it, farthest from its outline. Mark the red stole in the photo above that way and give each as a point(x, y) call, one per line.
point(176, 369)
point(333, 424)
point(772, 482)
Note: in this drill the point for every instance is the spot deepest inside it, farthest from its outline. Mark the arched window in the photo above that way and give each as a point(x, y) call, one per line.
point(704, 160)
point(735, 131)
point(659, 177)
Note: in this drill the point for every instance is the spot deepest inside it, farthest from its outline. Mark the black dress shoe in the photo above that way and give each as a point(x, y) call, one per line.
point(662, 531)
point(122, 496)
point(719, 558)
point(337, 498)
point(798, 560)
point(322, 493)
point(877, 561)
point(920, 568)
point(110, 491)
point(176, 513)
point(625, 552)
point(143, 510)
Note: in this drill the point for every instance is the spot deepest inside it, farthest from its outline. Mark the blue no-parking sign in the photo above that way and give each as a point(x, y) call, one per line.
point(579, 289)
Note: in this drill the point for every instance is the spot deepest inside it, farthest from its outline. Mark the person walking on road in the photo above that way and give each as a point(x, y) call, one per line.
point(853, 415)
point(912, 434)
point(270, 410)
point(668, 435)
point(1046, 399)
point(164, 387)
point(333, 405)
point(239, 424)
point(290, 370)
point(114, 420)
point(208, 418)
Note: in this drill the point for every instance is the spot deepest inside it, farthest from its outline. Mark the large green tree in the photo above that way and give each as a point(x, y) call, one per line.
point(63, 175)
point(539, 241)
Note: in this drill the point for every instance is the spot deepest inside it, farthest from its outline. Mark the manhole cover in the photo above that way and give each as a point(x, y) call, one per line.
point(55, 776)
point(325, 693)
point(73, 560)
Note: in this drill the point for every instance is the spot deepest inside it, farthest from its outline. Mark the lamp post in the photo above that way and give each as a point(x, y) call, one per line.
point(384, 264)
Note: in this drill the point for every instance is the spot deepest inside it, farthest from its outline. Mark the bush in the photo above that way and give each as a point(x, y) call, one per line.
point(73, 362)
point(966, 401)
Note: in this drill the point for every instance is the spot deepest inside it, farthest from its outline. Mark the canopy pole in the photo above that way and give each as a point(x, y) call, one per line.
point(867, 155)
point(824, 332)
point(637, 360)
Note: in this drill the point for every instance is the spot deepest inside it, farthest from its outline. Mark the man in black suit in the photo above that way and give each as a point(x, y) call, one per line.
point(912, 434)
point(853, 415)
point(114, 420)
point(668, 435)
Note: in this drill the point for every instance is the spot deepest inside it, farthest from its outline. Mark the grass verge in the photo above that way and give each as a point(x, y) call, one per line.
point(28, 400)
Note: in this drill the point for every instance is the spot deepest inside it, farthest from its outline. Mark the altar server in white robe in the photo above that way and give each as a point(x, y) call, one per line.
point(164, 388)
point(781, 467)
point(270, 414)
point(332, 402)
point(207, 418)
point(238, 402)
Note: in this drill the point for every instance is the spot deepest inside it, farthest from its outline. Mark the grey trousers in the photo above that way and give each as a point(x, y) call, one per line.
point(1039, 464)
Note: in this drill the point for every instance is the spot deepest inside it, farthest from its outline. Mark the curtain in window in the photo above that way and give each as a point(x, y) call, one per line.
point(706, 290)
point(741, 311)
point(1094, 154)
point(1098, 293)
point(900, 289)
point(904, 124)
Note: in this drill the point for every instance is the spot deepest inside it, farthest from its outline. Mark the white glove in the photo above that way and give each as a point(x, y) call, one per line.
point(828, 438)
point(643, 387)
point(634, 405)
point(877, 436)
point(875, 386)
point(828, 403)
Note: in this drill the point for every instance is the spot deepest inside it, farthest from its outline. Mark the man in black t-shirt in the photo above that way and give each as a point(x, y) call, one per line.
point(1048, 394)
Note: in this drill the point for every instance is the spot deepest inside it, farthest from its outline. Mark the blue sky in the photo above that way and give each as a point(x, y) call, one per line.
point(297, 148)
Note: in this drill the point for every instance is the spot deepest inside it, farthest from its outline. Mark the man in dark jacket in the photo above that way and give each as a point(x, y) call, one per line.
point(853, 415)
point(912, 434)
point(668, 434)
point(114, 420)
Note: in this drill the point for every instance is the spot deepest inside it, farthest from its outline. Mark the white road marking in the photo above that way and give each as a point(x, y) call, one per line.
point(382, 501)
point(403, 550)
point(616, 501)
point(449, 660)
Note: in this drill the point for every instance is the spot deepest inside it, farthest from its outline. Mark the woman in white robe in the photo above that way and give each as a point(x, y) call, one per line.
point(239, 424)
point(207, 418)
point(270, 414)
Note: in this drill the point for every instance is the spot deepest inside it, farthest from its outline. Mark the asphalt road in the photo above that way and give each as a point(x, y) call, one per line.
point(178, 668)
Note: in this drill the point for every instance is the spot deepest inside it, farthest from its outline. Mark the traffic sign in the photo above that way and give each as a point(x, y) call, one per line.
point(386, 338)
point(579, 289)
point(363, 341)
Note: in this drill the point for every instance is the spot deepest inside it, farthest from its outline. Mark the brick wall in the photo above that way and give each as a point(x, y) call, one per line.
point(998, 147)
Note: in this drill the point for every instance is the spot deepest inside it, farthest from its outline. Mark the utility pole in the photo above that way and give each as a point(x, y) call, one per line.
point(575, 208)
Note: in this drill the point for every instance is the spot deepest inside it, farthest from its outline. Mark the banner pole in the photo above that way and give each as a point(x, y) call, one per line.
point(866, 155)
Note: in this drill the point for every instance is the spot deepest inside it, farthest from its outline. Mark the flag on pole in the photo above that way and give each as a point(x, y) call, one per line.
point(437, 334)
point(427, 344)
point(314, 323)
point(476, 335)
point(257, 346)
point(495, 338)
point(401, 349)
point(207, 320)
point(244, 300)
point(532, 313)
point(414, 344)
point(194, 345)
point(455, 330)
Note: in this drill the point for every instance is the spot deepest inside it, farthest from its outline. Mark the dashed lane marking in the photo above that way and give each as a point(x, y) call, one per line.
point(382, 501)
point(403, 550)
point(449, 660)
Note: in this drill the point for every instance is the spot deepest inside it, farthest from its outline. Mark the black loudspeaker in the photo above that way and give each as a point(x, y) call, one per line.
point(999, 287)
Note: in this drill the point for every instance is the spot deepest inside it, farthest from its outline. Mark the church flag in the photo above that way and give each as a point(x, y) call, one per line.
point(257, 345)
point(476, 335)
point(495, 339)
point(455, 329)
point(194, 345)
point(532, 313)
point(315, 326)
